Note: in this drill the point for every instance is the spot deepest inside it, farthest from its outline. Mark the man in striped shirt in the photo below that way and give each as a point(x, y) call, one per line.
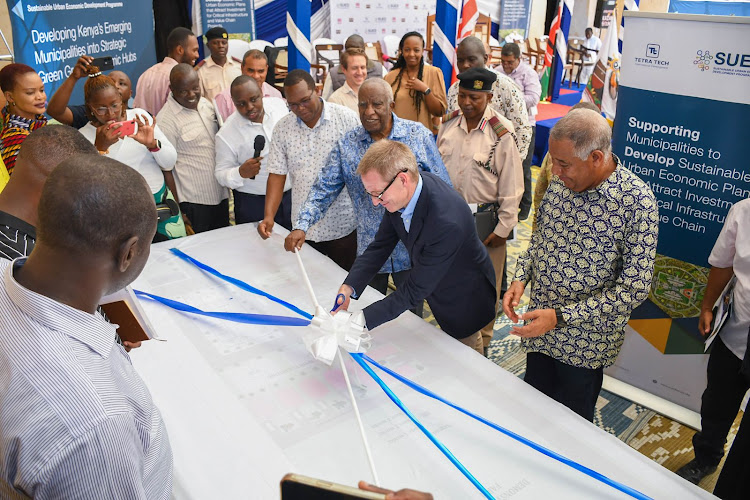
point(41, 152)
point(76, 421)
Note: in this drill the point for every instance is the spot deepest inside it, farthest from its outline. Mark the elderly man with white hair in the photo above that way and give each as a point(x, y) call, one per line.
point(591, 259)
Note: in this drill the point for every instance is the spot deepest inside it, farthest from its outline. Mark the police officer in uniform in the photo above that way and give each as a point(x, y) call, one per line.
point(479, 150)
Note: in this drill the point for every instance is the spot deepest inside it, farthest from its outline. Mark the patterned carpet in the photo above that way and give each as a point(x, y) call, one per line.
point(661, 439)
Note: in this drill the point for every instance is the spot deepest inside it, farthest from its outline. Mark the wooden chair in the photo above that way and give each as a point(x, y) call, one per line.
point(328, 54)
point(374, 51)
point(281, 68)
point(428, 37)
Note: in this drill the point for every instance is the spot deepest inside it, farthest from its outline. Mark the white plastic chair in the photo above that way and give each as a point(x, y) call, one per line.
point(260, 45)
point(390, 45)
point(281, 42)
point(237, 48)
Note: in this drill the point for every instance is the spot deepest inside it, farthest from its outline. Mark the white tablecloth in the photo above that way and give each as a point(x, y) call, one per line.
point(245, 404)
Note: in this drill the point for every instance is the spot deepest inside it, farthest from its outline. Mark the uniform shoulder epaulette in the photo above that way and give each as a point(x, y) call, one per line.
point(449, 116)
point(236, 60)
point(203, 61)
point(498, 126)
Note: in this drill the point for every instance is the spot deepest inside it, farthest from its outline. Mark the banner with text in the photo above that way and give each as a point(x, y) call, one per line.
point(374, 20)
point(514, 17)
point(233, 15)
point(682, 108)
point(50, 36)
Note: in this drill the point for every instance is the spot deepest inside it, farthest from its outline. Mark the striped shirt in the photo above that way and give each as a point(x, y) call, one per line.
point(17, 237)
point(193, 134)
point(76, 421)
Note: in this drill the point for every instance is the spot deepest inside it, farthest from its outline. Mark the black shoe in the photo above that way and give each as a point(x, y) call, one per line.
point(694, 471)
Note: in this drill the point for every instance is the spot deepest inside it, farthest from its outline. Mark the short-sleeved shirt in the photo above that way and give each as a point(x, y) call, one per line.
point(152, 89)
point(75, 416)
point(193, 134)
point(507, 98)
point(732, 249)
point(301, 152)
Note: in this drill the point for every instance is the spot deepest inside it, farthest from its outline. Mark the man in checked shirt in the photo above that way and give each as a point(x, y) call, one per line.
point(591, 259)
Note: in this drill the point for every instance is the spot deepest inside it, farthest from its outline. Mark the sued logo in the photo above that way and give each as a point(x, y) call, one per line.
point(703, 60)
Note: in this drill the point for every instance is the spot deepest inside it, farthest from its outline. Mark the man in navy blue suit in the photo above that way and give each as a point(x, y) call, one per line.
point(450, 267)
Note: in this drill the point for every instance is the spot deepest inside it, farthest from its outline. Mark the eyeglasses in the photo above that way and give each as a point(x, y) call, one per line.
point(380, 196)
point(115, 108)
point(304, 102)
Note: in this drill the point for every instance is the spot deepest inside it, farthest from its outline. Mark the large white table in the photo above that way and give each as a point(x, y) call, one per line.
point(245, 404)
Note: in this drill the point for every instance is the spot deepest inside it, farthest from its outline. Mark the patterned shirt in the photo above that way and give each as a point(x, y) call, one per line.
point(301, 152)
point(17, 237)
point(592, 256)
point(528, 81)
point(77, 421)
point(507, 99)
point(340, 171)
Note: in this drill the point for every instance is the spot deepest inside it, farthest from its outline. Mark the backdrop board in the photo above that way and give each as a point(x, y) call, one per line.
point(682, 112)
point(50, 35)
point(374, 19)
point(514, 16)
point(245, 404)
point(233, 15)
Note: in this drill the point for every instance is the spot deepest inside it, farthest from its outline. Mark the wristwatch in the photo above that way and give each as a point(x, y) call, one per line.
point(427, 92)
point(559, 316)
point(157, 147)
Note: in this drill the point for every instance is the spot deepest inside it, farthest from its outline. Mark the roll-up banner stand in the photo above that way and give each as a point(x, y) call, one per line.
point(683, 116)
point(50, 36)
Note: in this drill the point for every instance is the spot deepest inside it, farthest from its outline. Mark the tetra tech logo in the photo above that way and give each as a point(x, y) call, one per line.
point(703, 59)
point(652, 50)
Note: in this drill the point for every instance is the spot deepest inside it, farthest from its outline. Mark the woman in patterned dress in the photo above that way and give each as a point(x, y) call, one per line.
point(24, 92)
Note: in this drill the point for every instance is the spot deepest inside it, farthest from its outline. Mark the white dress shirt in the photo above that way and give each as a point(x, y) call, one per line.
point(77, 421)
point(193, 134)
point(235, 143)
point(137, 156)
point(732, 249)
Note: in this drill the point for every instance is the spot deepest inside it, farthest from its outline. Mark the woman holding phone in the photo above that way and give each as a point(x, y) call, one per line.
point(26, 103)
point(136, 142)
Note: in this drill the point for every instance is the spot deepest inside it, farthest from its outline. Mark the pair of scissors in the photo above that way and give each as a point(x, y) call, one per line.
point(338, 304)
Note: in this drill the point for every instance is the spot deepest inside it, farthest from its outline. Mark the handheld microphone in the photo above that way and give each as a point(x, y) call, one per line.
point(258, 145)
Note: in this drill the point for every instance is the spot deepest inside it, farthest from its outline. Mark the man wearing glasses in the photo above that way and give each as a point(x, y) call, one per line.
point(300, 147)
point(450, 266)
point(378, 122)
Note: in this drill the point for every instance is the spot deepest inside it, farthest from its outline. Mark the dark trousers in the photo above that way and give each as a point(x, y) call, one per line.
point(342, 251)
point(719, 404)
point(380, 283)
point(576, 388)
point(526, 200)
point(206, 217)
point(734, 480)
point(251, 207)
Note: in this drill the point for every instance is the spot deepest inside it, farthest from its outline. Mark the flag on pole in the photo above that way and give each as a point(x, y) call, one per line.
point(469, 16)
point(561, 48)
point(444, 37)
point(549, 53)
point(629, 5)
point(602, 87)
point(298, 27)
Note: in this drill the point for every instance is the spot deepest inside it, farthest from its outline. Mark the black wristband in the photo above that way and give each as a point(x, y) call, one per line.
point(559, 316)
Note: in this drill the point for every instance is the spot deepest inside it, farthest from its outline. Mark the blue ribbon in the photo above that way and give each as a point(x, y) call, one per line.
point(239, 283)
point(358, 357)
point(541, 449)
point(253, 319)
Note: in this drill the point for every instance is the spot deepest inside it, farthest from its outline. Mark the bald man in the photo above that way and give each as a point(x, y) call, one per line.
point(237, 166)
point(74, 414)
point(190, 123)
point(40, 153)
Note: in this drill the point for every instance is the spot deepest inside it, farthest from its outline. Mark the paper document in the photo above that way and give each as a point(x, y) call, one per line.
point(722, 310)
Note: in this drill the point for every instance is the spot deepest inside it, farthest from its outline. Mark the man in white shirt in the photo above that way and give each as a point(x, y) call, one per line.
point(77, 420)
point(152, 89)
point(726, 384)
point(354, 67)
point(254, 65)
point(310, 132)
point(592, 45)
point(237, 165)
point(189, 122)
point(218, 71)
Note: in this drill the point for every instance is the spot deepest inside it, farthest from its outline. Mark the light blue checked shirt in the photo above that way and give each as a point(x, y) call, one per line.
point(76, 421)
point(341, 170)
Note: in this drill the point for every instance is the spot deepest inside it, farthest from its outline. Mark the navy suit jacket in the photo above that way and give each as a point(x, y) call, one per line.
point(450, 266)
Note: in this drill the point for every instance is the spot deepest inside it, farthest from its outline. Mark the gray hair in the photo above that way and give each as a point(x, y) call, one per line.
point(388, 158)
point(587, 130)
point(380, 84)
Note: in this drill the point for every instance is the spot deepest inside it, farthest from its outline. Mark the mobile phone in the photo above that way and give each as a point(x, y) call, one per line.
point(103, 63)
point(298, 487)
point(126, 128)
